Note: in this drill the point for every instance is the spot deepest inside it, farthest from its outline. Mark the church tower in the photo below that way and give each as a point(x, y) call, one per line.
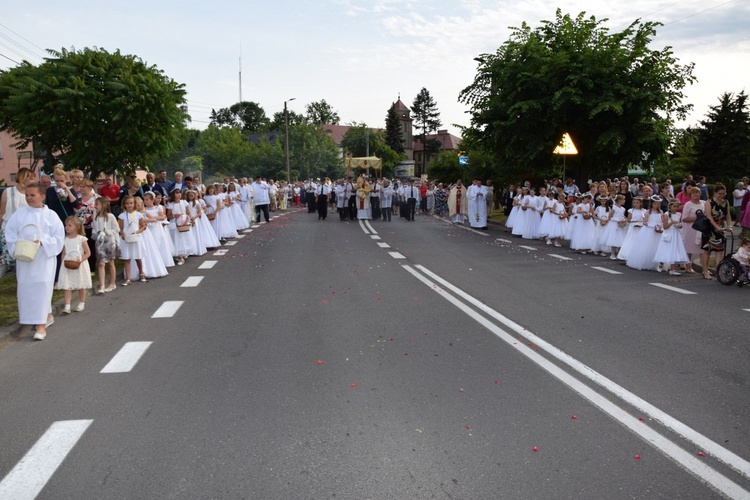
point(404, 116)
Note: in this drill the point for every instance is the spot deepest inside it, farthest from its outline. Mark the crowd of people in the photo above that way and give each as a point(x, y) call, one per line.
point(646, 225)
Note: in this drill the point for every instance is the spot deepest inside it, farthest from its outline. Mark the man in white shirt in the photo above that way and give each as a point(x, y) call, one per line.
point(341, 200)
point(261, 199)
point(375, 199)
point(386, 197)
point(321, 199)
point(477, 195)
point(411, 195)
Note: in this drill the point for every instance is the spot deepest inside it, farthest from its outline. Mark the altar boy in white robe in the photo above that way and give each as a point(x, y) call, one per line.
point(477, 195)
point(36, 279)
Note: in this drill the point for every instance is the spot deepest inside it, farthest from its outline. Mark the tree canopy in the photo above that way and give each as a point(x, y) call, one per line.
point(393, 136)
point(615, 96)
point(321, 113)
point(722, 145)
point(355, 141)
point(99, 111)
point(247, 115)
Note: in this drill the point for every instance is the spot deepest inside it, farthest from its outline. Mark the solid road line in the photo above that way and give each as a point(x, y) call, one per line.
point(525, 247)
point(362, 225)
point(208, 264)
point(192, 282)
point(673, 289)
point(126, 357)
point(711, 448)
point(32, 472)
point(605, 270)
point(503, 240)
point(561, 257)
point(168, 309)
point(367, 223)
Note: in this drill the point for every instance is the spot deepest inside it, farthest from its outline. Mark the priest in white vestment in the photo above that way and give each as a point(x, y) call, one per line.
point(363, 199)
point(457, 203)
point(36, 279)
point(477, 195)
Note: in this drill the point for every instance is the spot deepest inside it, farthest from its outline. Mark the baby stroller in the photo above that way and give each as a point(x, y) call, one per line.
point(729, 270)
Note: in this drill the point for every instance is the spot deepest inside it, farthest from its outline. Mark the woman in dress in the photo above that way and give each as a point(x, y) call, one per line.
point(441, 201)
point(431, 198)
point(643, 250)
point(35, 279)
point(690, 237)
point(86, 211)
point(713, 240)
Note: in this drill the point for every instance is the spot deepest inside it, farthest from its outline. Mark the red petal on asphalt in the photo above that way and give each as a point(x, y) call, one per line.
point(325, 301)
point(377, 298)
point(391, 339)
point(406, 354)
point(415, 298)
point(468, 427)
point(461, 389)
point(574, 417)
point(535, 449)
point(354, 385)
point(637, 457)
point(497, 381)
point(318, 361)
point(640, 419)
point(701, 454)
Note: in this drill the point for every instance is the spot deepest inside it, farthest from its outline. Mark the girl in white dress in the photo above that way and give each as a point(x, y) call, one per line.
point(158, 230)
point(572, 216)
point(233, 199)
point(519, 224)
point(153, 265)
point(582, 237)
point(75, 249)
point(132, 224)
point(513, 215)
point(636, 215)
point(225, 227)
point(196, 220)
point(671, 248)
point(178, 213)
point(213, 206)
point(601, 221)
point(531, 217)
point(641, 255)
point(558, 224)
point(207, 230)
point(547, 217)
point(617, 228)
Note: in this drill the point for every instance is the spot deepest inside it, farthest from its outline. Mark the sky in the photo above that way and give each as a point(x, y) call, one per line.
point(358, 55)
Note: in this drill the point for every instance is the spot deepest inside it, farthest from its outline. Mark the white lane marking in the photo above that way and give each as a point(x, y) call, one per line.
point(221, 252)
point(367, 223)
point(502, 240)
point(31, 473)
point(714, 449)
point(396, 255)
point(168, 309)
point(230, 243)
point(126, 358)
point(748, 310)
point(240, 236)
point(533, 249)
point(374, 236)
point(386, 245)
point(561, 257)
point(255, 226)
point(605, 270)
point(208, 264)
point(247, 231)
point(362, 225)
point(192, 282)
point(673, 289)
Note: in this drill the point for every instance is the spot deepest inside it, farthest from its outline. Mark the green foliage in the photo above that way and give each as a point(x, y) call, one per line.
point(393, 137)
point(277, 123)
point(100, 111)
point(427, 119)
point(225, 150)
point(722, 147)
point(321, 113)
point(172, 160)
point(192, 164)
point(247, 115)
point(616, 97)
point(355, 141)
point(313, 152)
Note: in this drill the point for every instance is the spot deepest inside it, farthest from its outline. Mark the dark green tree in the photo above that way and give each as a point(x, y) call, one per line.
point(355, 142)
point(247, 115)
point(615, 96)
point(722, 147)
point(321, 113)
point(427, 119)
point(225, 150)
point(312, 151)
point(393, 137)
point(277, 122)
point(101, 111)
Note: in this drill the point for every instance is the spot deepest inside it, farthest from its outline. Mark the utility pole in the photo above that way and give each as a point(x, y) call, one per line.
point(286, 140)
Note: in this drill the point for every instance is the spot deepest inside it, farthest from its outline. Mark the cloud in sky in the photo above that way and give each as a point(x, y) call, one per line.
point(359, 55)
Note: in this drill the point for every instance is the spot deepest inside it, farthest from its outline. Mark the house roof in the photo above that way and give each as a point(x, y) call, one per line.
point(449, 142)
point(337, 132)
point(400, 105)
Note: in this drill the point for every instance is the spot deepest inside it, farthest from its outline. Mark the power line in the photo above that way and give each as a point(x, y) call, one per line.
point(8, 58)
point(22, 38)
point(699, 12)
point(9, 39)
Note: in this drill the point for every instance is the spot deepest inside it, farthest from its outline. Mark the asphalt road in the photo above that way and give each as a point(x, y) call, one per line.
point(387, 360)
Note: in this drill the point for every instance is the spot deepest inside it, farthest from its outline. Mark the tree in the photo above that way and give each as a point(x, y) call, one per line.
point(277, 123)
point(722, 147)
point(321, 113)
point(426, 118)
point(247, 115)
point(355, 142)
point(312, 151)
point(192, 164)
point(225, 150)
point(393, 137)
point(616, 97)
point(99, 111)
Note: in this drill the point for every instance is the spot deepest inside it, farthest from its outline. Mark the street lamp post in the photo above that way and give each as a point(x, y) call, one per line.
point(286, 140)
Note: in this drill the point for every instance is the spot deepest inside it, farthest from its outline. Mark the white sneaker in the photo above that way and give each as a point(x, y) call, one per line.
point(549, 242)
point(40, 335)
point(66, 310)
point(675, 273)
point(80, 307)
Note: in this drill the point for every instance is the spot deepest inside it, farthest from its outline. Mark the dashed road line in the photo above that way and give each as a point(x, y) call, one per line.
point(255, 226)
point(374, 236)
point(240, 236)
point(230, 243)
point(396, 255)
point(192, 282)
point(168, 309)
point(221, 252)
point(208, 264)
point(673, 289)
point(384, 245)
point(503, 240)
point(126, 358)
point(526, 247)
point(561, 257)
point(247, 231)
point(605, 270)
point(31, 473)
